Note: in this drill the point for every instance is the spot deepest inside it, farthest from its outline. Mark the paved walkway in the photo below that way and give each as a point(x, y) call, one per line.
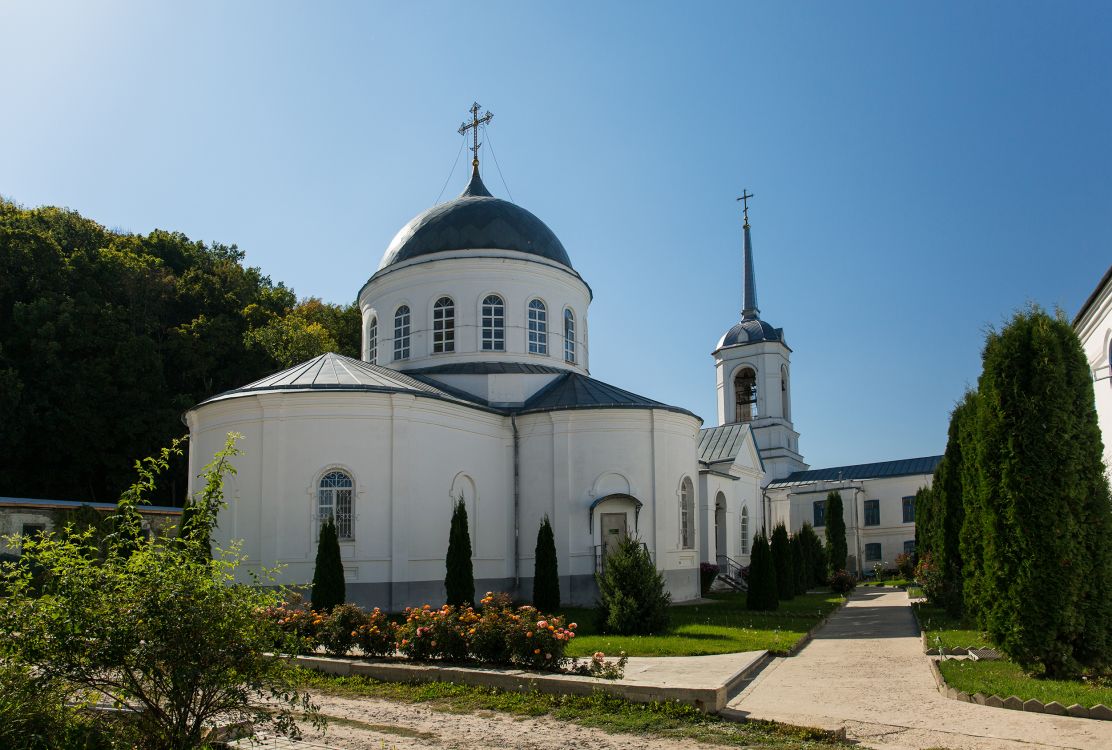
point(866, 671)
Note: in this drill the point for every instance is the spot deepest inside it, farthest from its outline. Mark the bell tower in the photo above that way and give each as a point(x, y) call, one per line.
point(753, 366)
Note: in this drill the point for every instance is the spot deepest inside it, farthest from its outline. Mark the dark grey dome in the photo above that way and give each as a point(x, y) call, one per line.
point(475, 220)
point(750, 331)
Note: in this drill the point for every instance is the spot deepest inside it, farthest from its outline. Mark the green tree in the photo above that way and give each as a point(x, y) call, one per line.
point(801, 568)
point(164, 632)
point(632, 598)
point(763, 593)
point(546, 572)
point(329, 589)
point(459, 581)
point(1045, 518)
point(782, 562)
point(816, 555)
point(836, 546)
point(971, 541)
point(945, 501)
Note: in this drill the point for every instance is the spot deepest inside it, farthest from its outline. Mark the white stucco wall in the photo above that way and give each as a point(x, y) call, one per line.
point(794, 506)
point(468, 277)
point(1094, 328)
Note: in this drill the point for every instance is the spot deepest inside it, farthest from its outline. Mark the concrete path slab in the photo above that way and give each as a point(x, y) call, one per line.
point(703, 681)
point(866, 671)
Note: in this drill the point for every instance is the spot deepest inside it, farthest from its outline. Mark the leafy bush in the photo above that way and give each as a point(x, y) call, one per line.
point(33, 716)
point(124, 622)
point(490, 637)
point(842, 582)
point(376, 634)
point(339, 630)
point(708, 571)
point(537, 641)
point(905, 566)
point(632, 599)
point(546, 571)
point(436, 633)
point(329, 588)
point(497, 600)
point(930, 577)
point(296, 623)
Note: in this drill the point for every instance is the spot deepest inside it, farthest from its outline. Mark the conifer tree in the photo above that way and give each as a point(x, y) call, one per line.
point(800, 567)
point(1045, 516)
point(782, 562)
point(546, 572)
point(632, 598)
point(836, 544)
point(762, 594)
point(459, 579)
point(947, 500)
point(971, 540)
point(329, 588)
point(816, 556)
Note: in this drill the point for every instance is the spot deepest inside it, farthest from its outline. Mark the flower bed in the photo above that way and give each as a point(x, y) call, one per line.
point(497, 634)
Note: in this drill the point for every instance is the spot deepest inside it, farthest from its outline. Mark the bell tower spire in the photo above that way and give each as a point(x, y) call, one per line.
point(749, 310)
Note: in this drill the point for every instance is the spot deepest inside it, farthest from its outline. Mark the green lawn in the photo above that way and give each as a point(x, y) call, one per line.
point(941, 629)
point(723, 627)
point(1004, 678)
point(599, 710)
point(898, 582)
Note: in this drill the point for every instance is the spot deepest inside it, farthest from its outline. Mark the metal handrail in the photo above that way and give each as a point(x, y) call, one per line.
point(729, 566)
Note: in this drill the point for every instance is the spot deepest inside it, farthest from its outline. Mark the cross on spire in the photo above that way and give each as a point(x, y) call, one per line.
point(476, 121)
point(745, 196)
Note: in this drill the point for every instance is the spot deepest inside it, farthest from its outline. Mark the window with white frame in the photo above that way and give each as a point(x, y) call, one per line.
point(401, 333)
point(443, 326)
point(687, 515)
point(872, 552)
point(335, 499)
point(744, 531)
point(493, 324)
point(569, 336)
point(538, 327)
point(872, 513)
point(372, 341)
point(909, 509)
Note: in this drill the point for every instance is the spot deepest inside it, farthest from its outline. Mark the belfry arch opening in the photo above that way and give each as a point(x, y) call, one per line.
point(745, 395)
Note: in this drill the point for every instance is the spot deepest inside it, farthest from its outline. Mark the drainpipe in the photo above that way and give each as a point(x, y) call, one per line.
point(517, 506)
point(857, 534)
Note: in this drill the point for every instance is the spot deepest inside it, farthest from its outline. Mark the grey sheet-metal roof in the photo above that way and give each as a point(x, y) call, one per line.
point(33, 502)
point(721, 443)
point(335, 372)
point(749, 332)
point(880, 470)
point(475, 220)
point(575, 391)
point(489, 368)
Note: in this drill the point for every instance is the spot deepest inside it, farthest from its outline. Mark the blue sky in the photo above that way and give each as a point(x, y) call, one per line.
point(920, 170)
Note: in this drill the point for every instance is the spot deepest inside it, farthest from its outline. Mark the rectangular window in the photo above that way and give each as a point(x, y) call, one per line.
point(820, 513)
point(872, 552)
point(909, 509)
point(909, 547)
point(872, 513)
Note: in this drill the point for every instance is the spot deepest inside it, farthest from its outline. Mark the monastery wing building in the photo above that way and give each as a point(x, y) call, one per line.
point(474, 383)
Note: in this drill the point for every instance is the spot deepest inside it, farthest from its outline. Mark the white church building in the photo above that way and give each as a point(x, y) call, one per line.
point(474, 383)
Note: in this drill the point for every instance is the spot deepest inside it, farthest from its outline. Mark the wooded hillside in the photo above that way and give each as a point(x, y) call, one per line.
point(106, 338)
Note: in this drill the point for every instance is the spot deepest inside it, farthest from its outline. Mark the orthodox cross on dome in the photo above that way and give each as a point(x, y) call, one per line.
point(473, 126)
point(745, 196)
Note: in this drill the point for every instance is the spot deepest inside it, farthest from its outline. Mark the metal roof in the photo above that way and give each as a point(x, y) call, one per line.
point(475, 220)
point(31, 502)
point(750, 331)
point(1093, 297)
point(335, 372)
point(721, 443)
point(880, 470)
point(488, 368)
point(575, 391)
